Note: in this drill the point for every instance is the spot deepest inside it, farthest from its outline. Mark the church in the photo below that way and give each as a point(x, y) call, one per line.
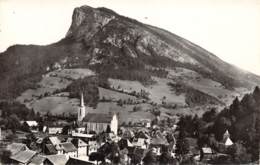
point(97, 122)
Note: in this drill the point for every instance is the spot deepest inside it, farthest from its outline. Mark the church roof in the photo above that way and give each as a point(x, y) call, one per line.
point(98, 118)
point(228, 141)
point(226, 133)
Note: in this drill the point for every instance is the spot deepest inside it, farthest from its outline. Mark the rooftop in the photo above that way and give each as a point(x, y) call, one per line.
point(23, 156)
point(207, 150)
point(73, 161)
point(51, 149)
point(98, 118)
point(68, 147)
point(38, 159)
point(31, 123)
point(16, 147)
point(57, 159)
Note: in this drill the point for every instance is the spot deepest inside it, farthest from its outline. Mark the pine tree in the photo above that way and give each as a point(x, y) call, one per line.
point(182, 146)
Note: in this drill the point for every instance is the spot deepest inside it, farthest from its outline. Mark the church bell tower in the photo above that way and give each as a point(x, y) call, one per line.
point(82, 109)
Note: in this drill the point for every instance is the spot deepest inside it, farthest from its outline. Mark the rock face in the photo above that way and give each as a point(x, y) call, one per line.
point(104, 31)
point(121, 48)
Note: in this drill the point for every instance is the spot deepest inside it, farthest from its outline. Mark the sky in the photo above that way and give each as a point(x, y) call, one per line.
point(228, 28)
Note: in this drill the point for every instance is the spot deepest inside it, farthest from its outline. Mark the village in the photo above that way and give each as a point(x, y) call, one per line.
point(97, 138)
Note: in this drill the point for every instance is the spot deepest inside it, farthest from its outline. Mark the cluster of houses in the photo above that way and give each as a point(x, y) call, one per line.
point(52, 147)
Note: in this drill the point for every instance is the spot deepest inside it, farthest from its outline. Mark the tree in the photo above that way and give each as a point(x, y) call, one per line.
point(4, 156)
point(182, 145)
point(108, 130)
point(136, 159)
point(137, 108)
point(165, 158)
point(210, 116)
point(97, 156)
point(150, 158)
point(14, 122)
point(65, 129)
point(120, 102)
point(220, 126)
point(239, 154)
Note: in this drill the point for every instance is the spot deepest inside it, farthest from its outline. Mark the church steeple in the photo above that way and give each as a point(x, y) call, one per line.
point(82, 100)
point(81, 110)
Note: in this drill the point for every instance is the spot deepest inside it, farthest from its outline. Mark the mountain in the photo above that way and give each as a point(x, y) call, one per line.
point(117, 59)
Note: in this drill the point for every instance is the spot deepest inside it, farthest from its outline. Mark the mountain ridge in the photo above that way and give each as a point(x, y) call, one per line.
point(122, 49)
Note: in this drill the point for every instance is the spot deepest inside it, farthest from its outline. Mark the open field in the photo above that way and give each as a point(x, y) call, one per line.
point(52, 81)
point(56, 105)
point(113, 95)
point(157, 91)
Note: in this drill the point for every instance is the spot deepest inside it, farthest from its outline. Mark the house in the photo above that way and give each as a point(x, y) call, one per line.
point(226, 139)
point(83, 135)
point(75, 161)
point(228, 142)
point(14, 148)
point(54, 129)
point(128, 134)
point(92, 147)
point(81, 146)
point(22, 157)
point(124, 143)
point(32, 125)
point(54, 140)
point(157, 143)
point(56, 160)
point(37, 160)
point(68, 149)
point(49, 149)
point(206, 153)
point(100, 122)
point(140, 142)
point(142, 134)
point(52, 145)
point(80, 129)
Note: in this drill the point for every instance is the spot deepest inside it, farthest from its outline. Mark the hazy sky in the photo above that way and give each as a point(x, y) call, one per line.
point(228, 28)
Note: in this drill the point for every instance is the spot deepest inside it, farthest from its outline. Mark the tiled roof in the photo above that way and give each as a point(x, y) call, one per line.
point(51, 149)
point(228, 141)
point(159, 141)
point(98, 118)
point(31, 123)
point(38, 159)
point(75, 161)
point(23, 156)
point(16, 147)
point(68, 147)
point(142, 134)
point(207, 150)
point(54, 140)
point(57, 159)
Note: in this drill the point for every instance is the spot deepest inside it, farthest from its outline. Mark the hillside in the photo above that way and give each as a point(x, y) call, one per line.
point(242, 119)
point(128, 59)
